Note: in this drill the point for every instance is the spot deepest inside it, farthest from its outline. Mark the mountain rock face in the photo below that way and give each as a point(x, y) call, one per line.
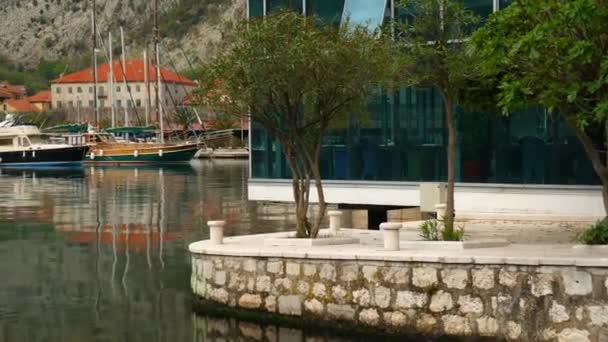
point(191, 30)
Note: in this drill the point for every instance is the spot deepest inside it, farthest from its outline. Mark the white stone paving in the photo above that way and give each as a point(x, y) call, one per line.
point(370, 248)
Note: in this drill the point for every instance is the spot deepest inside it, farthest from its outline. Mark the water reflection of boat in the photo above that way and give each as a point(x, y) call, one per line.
point(47, 171)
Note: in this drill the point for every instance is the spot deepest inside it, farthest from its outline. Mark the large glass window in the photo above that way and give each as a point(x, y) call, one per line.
point(369, 13)
point(256, 8)
point(294, 5)
point(327, 11)
point(504, 3)
point(482, 8)
point(403, 138)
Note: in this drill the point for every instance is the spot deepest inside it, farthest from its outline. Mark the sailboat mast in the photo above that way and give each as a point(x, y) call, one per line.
point(124, 75)
point(159, 115)
point(147, 85)
point(111, 81)
point(94, 62)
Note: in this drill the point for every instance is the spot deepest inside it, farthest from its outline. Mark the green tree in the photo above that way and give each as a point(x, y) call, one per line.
point(296, 76)
point(553, 53)
point(433, 35)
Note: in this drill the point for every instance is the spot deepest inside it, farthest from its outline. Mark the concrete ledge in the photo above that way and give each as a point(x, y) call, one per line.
point(369, 248)
point(321, 241)
point(453, 245)
point(591, 248)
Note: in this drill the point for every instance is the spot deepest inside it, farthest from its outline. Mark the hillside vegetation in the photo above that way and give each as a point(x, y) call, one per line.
point(39, 39)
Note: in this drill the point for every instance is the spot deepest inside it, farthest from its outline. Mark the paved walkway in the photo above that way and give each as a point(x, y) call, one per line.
point(370, 248)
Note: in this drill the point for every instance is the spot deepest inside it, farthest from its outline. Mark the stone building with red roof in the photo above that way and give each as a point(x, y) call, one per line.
point(18, 106)
point(75, 91)
point(11, 92)
point(41, 100)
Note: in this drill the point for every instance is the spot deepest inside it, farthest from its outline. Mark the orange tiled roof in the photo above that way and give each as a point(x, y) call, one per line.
point(21, 105)
point(9, 91)
point(134, 71)
point(40, 97)
point(5, 94)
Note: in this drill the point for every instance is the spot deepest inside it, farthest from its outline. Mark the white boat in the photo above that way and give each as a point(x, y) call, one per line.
point(24, 144)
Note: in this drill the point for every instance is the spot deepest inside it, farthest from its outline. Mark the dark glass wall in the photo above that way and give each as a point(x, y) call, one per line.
point(256, 8)
point(328, 11)
point(482, 8)
point(403, 137)
point(294, 5)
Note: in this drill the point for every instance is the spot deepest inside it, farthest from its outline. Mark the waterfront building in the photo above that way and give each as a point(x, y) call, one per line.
point(75, 91)
point(527, 164)
point(39, 102)
point(11, 92)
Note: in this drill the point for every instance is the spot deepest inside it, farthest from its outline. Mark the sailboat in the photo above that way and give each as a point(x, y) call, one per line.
point(106, 149)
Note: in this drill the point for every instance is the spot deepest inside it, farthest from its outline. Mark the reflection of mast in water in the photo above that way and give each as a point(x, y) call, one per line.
point(114, 213)
point(161, 216)
point(149, 233)
point(98, 244)
point(127, 226)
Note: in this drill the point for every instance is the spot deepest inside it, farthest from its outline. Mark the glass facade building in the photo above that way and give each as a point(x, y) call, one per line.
point(403, 135)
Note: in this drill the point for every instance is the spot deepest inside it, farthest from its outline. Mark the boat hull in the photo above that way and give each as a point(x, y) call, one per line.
point(44, 157)
point(147, 155)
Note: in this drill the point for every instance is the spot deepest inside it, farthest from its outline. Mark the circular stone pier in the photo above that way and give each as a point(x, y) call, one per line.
point(514, 292)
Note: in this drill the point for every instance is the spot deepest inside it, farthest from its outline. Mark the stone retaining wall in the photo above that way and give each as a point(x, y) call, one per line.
point(520, 303)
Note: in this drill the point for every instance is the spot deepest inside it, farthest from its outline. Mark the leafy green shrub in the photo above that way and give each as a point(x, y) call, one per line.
point(597, 234)
point(434, 230)
point(429, 230)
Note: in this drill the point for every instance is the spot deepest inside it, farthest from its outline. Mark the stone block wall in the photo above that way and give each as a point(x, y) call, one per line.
point(519, 303)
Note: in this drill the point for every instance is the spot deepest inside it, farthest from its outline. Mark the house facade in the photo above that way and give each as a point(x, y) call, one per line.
point(74, 92)
point(526, 164)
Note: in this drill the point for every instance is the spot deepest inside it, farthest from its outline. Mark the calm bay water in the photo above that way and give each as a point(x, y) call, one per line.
point(100, 253)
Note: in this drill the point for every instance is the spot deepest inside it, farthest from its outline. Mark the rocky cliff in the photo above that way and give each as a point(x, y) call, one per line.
point(54, 29)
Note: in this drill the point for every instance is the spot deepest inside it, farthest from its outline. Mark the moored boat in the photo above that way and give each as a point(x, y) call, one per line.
point(105, 149)
point(24, 144)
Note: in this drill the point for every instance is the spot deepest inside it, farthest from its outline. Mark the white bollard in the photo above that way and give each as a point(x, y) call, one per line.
point(335, 221)
point(440, 211)
point(216, 232)
point(390, 232)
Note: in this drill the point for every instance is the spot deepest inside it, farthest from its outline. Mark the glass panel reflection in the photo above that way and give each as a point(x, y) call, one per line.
point(402, 138)
point(369, 13)
point(256, 8)
point(482, 8)
point(327, 11)
point(294, 5)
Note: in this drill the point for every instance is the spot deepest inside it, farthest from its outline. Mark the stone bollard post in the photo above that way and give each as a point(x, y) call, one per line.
point(216, 232)
point(390, 232)
point(440, 211)
point(335, 221)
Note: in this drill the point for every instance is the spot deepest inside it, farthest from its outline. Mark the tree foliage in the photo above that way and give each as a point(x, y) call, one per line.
point(553, 53)
point(433, 35)
point(295, 77)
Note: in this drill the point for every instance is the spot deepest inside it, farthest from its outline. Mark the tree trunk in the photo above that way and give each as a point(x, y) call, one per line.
point(300, 182)
point(321, 199)
point(594, 156)
point(451, 157)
